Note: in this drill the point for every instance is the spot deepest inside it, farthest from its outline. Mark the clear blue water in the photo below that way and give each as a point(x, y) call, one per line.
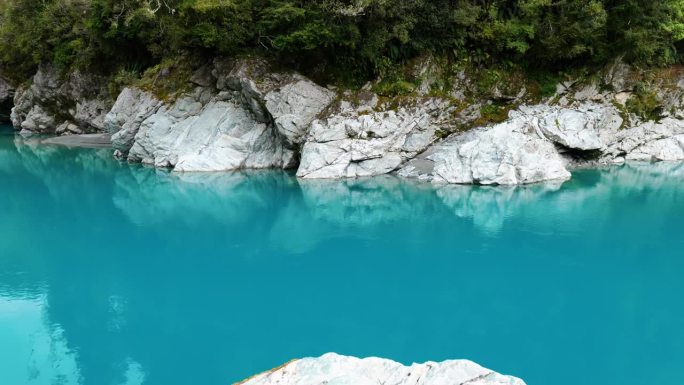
point(117, 274)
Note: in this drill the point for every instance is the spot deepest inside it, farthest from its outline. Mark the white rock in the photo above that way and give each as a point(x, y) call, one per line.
point(220, 136)
point(507, 154)
point(333, 369)
point(38, 120)
point(348, 145)
point(131, 108)
point(294, 106)
point(651, 141)
point(578, 128)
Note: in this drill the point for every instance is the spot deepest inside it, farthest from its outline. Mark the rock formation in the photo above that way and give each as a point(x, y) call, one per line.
point(341, 370)
point(244, 114)
point(239, 116)
point(54, 103)
point(356, 143)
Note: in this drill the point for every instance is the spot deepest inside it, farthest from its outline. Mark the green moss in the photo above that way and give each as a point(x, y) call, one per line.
point(442, 134)
point(168, 79)
point(121, 80)
point(624, 114)
point(393, 87)
point(646, 104)
point(488, 79)
point(493, 113)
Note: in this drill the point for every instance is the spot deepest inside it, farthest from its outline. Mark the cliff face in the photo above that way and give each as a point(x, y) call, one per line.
point(244, 114)
point(53, 103)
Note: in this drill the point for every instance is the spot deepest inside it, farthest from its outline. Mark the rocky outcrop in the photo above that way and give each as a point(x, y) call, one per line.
point(542, 143)
point(244, 114)
point(581, 128)
point(240, 115)
point(294, 106)
point(61, 104)
point(217, 136)
point(131, 108)
point(650, 141)
point(342, 370)
point(357, 142)
point(506, 154)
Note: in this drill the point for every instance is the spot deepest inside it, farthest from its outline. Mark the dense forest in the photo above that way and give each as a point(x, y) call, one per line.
point(356, 39)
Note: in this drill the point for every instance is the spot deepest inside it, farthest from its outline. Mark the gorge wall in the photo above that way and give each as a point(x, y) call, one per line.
point(247, 114)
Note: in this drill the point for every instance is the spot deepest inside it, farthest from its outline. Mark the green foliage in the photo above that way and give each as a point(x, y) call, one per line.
point(645, 103)
point(123, 78)
point(167, 79)
point(545, 82)
point(339, 40)
point(493, 113)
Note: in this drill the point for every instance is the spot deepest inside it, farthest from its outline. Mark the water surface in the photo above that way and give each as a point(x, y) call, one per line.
point(118, 274)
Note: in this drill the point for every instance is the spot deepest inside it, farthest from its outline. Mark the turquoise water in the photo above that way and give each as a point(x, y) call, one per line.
point(116, 274)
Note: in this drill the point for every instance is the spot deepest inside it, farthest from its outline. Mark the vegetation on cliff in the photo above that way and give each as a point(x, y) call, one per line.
point(338, 39)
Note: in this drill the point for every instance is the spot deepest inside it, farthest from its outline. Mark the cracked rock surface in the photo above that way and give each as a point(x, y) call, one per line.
point(506, 154)
point(351, 144)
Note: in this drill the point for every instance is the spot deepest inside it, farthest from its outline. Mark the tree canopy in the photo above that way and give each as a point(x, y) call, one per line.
point(362, 37)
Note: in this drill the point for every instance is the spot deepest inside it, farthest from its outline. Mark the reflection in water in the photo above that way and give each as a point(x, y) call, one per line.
point(38, 353)
point(118, 274)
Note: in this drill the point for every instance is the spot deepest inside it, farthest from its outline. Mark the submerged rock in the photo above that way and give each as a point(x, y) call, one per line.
point(341, 370)
point(86, 140)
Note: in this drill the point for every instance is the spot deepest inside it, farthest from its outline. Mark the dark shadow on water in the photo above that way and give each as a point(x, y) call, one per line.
point(6, 129)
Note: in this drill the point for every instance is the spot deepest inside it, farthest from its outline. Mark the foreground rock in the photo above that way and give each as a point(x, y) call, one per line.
point(334, 369)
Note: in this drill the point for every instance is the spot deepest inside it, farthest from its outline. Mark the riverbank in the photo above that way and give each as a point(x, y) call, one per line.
point(248, 114)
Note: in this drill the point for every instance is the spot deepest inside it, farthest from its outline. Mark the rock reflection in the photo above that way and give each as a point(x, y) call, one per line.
point(363, 202)
point(219, 276)
point(488, 207)
point(150, 197)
